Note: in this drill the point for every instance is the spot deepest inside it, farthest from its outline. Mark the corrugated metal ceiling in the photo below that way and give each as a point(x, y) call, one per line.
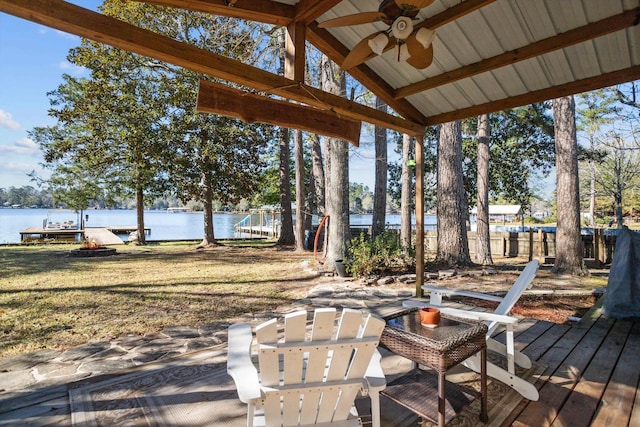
point(501, 26)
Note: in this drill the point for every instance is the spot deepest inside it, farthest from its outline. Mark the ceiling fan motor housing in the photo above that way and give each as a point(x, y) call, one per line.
point(402, 27)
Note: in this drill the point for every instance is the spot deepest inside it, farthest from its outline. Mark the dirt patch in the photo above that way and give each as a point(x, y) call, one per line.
point(501, 276)
point(556, 309)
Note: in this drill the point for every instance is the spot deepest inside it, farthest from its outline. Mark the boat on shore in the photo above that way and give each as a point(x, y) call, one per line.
point(61, 219)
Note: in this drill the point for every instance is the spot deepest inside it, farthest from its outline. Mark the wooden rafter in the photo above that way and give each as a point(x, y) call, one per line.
point(86, 23)
point(560, 41)
point(266, 11)
point(453, 13)
point(218, 99)
point(336, 51)
point(578, 86)
point(308, 11)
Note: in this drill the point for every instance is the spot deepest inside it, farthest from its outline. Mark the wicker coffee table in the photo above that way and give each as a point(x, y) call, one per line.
point(440, 348)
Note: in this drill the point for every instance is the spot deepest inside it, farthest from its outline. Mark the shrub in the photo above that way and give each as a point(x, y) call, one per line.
point(368, 258)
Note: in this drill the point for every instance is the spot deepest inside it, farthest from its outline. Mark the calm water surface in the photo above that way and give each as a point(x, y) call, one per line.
point(164, 225)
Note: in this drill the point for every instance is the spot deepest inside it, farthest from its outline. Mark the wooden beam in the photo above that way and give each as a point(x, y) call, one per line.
point(269, 12)
point(550, 44)
point(578, 86)
point(218, 99)
point(308, 11)
point(453, 13)
point(295, 58)
point(76, 20)
point(336, 51)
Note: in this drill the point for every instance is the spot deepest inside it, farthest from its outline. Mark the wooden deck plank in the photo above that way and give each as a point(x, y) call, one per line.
point(617, 404)
point(592, 315)
point(583, 401)
point(540, 346)
point(561, 381)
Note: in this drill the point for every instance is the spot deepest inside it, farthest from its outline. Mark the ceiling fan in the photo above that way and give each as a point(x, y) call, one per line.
point(413, 46)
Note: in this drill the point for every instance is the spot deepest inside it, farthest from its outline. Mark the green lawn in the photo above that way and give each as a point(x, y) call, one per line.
point(51, 300)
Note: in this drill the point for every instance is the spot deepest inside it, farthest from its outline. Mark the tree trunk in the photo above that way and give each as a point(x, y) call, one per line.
point(327, 190)
point(569, 258)
point(286, 230)
point(617, 207)
point(453, 246)
point(406, 195)
point(309, 210)
point(300, 198)
point(380, 190)
point(483, 237)
point(318, 174)
point(141, 240)
point(337, 208)
point(209, 238)
point(337, 186)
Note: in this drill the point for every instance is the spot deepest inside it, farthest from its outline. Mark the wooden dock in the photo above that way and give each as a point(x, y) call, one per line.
point(258, 231)
point(46, 234)
point(102, 235)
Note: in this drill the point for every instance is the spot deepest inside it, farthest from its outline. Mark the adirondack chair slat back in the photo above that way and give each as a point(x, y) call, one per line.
point(522, 283)
point(311, 376)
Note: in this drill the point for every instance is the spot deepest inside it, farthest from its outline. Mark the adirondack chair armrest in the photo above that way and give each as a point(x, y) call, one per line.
point(461, 293)
point(479, 315)
point(239, 364)
point(374, 377)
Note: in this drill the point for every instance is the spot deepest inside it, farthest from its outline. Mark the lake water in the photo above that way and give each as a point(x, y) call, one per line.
point(163, 225)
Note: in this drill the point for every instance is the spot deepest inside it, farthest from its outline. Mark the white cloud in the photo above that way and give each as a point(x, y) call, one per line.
point(27, 143)
point(22, 146)
point(6, 120)
point(20, 167)
point(72, 68)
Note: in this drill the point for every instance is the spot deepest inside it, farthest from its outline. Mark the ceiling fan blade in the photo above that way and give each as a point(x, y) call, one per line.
point(355, 19)
point(360, 53)
point(419, 56)
point(413, 4)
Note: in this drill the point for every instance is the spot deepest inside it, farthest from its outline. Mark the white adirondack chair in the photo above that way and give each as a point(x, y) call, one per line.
point(500, 316)
point(308, 377)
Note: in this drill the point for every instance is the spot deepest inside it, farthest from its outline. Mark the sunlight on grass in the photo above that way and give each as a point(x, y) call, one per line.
point(50, 300)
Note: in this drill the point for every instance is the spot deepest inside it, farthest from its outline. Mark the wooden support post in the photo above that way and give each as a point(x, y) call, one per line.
point(530, 244)
point(419, 215)
point(540, 243)
point(596, 246)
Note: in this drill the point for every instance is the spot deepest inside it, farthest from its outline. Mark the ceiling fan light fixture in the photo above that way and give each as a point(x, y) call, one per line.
point(403, 52)
point(378, 43)
point(402, 27)
point(425, 36)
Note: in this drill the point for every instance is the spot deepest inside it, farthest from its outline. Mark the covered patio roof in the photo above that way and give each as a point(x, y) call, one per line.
point(489, 55)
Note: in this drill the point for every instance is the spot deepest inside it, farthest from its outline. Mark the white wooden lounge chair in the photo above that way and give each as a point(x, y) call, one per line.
point(500, 316)
point(308, 377)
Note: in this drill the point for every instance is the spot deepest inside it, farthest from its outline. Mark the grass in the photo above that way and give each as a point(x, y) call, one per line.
point(50, 300)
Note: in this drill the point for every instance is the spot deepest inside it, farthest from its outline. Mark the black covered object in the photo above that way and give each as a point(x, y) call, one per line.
point(622, 299)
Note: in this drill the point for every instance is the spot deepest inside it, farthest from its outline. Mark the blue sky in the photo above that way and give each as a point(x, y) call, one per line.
point(33, 60)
